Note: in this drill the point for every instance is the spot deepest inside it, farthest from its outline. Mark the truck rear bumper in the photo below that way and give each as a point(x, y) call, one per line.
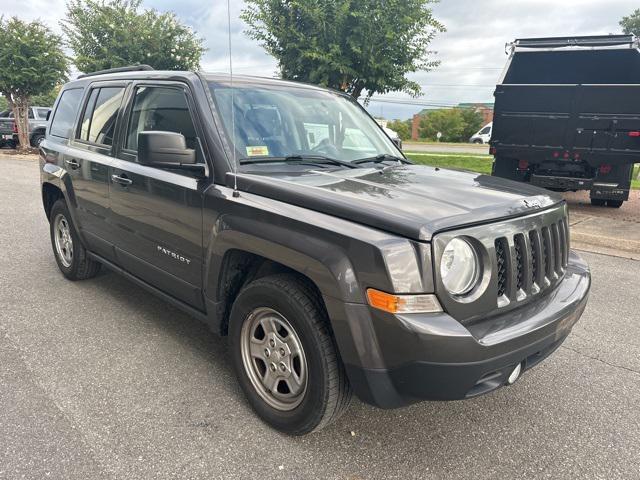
point(564, 183)
point(434, 357)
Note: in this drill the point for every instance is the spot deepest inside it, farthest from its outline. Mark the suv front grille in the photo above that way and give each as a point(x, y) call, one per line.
point(520, 258)
point(531, 261)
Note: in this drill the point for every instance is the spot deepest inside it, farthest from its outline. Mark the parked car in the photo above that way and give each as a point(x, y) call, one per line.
point(567, 115)
point(37, 127)
point(483, 135)
point(393, 135)
point(282, 215)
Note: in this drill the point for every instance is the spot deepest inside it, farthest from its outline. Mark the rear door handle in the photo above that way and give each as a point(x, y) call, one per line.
point(72, 163)
point(121, 180)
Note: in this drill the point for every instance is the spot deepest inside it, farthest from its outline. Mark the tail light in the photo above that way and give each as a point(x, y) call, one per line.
point(634, 134)
point(14, 128)
point(492, 151)
point(605, 169)
point(556, 154)
point(523, 164)
point(566, 155)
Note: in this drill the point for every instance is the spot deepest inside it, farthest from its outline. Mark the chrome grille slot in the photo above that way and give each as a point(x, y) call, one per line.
point(502, 263)
point(537, 267)
point(557, 249)
point(521, 261)
point(547, 253)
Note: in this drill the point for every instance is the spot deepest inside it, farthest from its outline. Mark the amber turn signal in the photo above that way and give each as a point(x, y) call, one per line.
point(391, 303)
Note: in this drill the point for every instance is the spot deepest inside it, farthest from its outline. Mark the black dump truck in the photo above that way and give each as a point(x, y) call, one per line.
point(567, 115)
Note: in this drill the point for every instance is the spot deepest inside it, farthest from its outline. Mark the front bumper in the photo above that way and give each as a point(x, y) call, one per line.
point(434, 357)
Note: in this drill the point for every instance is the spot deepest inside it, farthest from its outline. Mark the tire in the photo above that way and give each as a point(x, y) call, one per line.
point(36, 140)
point(312, 390)
point(614, 203)
point(70, 255)
point(598, 202)
point(477, 141)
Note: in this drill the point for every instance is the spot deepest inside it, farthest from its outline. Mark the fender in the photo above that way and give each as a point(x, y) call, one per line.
point(58, 177)
point(324, 263)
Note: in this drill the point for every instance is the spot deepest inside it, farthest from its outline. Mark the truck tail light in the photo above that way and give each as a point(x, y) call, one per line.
point(634, 134)
point(605, 169)
point(14, 128)
point(566, 155)
point(523, 164)
point(556, 154)
point(391, 303)
point(492, 151)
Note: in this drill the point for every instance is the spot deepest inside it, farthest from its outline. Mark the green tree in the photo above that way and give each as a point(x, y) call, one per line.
point(473, 120)
point(46, 99)
point(351, 45)
point(32, 64)
point(631, 24)
point(401, 127)
point(107, 34)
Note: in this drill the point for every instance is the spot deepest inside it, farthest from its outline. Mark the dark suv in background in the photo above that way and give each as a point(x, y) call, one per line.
point(283, 216)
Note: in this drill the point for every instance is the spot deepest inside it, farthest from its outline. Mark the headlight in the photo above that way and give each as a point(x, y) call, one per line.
point(459, 267)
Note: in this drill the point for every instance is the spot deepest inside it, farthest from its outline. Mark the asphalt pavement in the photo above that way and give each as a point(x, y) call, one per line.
point(99, 379)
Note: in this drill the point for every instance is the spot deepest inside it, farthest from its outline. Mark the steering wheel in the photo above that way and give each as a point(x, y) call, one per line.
point(327, 148)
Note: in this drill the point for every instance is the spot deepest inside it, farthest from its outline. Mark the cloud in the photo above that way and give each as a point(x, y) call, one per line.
point(471, 51)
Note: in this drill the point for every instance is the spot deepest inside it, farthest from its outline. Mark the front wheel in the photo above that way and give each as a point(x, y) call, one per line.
point(285, 357)
point(598, 202)
point(70, 255)
point(614, 203)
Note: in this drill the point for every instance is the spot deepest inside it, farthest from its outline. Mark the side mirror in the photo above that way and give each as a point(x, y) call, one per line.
point(166, 150)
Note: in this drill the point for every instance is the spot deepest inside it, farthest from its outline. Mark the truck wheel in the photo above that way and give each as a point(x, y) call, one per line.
point(36, 140)
point(614, 203)
point(477, 141)
point(598, 202)
point(70, 255)
point(285, 357)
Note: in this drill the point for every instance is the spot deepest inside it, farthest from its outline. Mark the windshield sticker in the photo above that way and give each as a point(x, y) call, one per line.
point(257, 151)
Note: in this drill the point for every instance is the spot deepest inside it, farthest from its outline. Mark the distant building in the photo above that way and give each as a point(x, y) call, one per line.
point(485, 109)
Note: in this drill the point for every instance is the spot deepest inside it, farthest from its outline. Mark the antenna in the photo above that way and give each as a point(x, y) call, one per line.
point(236, 193)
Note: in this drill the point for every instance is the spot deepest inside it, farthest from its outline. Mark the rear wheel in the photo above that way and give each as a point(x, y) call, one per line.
point(598, 202)
point(37, 139)
point(70, 255)
point(285, 357)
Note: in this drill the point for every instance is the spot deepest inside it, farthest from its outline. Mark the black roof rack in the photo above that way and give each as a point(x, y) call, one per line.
point(590, 41)
point(131, 68)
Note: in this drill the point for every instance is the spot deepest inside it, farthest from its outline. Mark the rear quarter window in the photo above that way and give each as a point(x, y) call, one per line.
point(65, 113)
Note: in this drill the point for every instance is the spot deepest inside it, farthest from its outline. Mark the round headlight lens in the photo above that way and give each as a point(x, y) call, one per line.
point(459, 267)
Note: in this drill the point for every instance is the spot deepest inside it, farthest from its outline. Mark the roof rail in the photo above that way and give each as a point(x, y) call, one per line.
point(131, 68)
point(588, 41)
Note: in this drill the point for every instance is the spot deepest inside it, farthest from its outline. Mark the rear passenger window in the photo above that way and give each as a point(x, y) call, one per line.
point(42, 112)
point(160, 108)
point(99, 118)
point(65, 113)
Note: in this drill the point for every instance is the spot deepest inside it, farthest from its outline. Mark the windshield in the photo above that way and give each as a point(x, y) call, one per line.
point(283, 121)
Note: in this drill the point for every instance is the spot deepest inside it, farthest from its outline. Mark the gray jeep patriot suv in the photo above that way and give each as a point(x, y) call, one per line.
point(333, 264)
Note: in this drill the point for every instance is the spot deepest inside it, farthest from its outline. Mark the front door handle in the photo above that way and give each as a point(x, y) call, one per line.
point(72, 163)
point(123, 180)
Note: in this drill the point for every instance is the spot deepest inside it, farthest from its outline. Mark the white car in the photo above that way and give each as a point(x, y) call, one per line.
point(393, 135)
point(483, 135)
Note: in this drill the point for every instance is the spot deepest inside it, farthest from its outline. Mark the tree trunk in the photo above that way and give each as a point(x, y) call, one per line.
point(21, 117)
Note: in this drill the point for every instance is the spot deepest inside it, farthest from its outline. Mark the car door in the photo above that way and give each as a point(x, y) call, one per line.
point(88, 159)
point(156, 214)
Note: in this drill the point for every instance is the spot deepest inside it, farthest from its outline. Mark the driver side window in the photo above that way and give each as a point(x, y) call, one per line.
point(160, 109)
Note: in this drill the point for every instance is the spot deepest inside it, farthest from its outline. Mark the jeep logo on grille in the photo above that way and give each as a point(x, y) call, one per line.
point(174, 255)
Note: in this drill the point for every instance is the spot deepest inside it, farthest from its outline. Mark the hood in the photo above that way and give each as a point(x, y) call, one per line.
point(414, 201)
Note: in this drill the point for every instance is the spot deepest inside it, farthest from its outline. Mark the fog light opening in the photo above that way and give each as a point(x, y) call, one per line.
point(515, 374)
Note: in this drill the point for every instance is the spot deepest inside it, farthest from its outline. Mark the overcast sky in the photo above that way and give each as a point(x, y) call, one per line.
point(471, 51)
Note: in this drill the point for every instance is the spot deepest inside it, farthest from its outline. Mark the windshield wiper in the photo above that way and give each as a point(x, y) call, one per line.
point(299, 158)
point(383, 157)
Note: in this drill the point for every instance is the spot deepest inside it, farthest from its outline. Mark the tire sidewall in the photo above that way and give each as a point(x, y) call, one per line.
point(310, 411)
point(60, 208)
